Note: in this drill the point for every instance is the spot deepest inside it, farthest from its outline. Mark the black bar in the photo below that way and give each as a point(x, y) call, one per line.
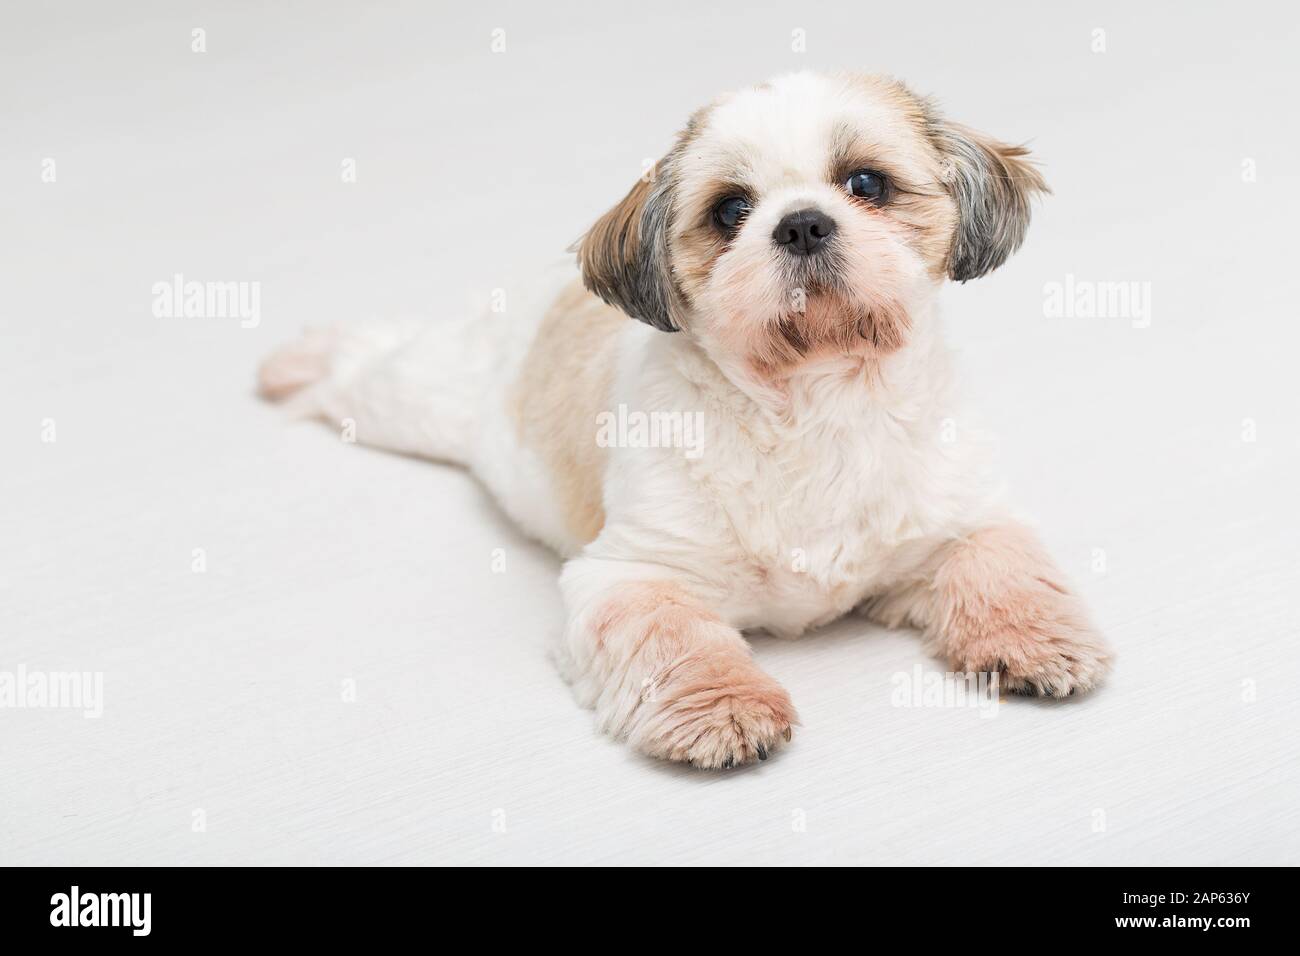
point(334, 906)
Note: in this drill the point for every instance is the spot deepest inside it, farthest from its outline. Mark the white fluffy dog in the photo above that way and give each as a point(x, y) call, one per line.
point(770, 446)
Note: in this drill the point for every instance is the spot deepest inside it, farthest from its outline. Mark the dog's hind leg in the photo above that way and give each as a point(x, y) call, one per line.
point(411, 386)
point(514, 398)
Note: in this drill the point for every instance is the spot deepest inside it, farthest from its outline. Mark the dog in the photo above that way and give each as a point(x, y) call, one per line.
point(783, 261)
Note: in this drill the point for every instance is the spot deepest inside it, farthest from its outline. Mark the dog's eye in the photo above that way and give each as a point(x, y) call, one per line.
point(868, 185)
point(731, 212)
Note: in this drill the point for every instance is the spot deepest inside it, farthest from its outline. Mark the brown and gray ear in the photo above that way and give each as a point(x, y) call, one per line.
point(624, 256)
point(992, 184)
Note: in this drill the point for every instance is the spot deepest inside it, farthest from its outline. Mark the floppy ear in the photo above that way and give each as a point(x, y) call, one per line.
point(992, 184)
point(624, 256)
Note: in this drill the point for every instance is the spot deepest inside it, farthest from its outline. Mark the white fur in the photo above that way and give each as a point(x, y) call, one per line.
point(805, 500)
point(783, 522)
point(788, 523)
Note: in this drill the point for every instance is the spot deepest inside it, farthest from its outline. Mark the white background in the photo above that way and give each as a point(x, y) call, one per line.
point(327, 562)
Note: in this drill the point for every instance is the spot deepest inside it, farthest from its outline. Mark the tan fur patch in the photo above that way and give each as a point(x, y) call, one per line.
point(563, 385)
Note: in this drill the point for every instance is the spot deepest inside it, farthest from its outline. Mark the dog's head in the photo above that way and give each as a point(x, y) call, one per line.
point(806, 216)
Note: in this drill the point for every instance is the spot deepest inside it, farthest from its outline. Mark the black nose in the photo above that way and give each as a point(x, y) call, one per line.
point(804, 231)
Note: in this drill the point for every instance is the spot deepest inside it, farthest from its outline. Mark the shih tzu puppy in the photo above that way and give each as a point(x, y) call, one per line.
point(783, 260)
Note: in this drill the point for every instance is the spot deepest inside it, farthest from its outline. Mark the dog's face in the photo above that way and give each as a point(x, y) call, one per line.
point(806, 216)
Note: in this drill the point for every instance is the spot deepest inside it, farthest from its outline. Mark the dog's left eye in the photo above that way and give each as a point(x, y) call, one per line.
point(731, 212)
point(868, 185)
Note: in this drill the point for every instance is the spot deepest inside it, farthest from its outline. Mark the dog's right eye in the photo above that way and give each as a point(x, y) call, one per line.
point(731, 212)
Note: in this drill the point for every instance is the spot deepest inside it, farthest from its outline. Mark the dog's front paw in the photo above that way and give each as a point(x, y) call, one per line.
point(1038, 644)
point(999, 605)
point(714, 712)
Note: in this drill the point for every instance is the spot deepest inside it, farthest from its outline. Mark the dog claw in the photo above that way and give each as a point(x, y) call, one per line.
point(787, 734)
point(762, 752)
point(729, 762)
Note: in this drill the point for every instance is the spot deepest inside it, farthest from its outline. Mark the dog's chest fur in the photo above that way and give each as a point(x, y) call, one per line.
point(800, 515)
